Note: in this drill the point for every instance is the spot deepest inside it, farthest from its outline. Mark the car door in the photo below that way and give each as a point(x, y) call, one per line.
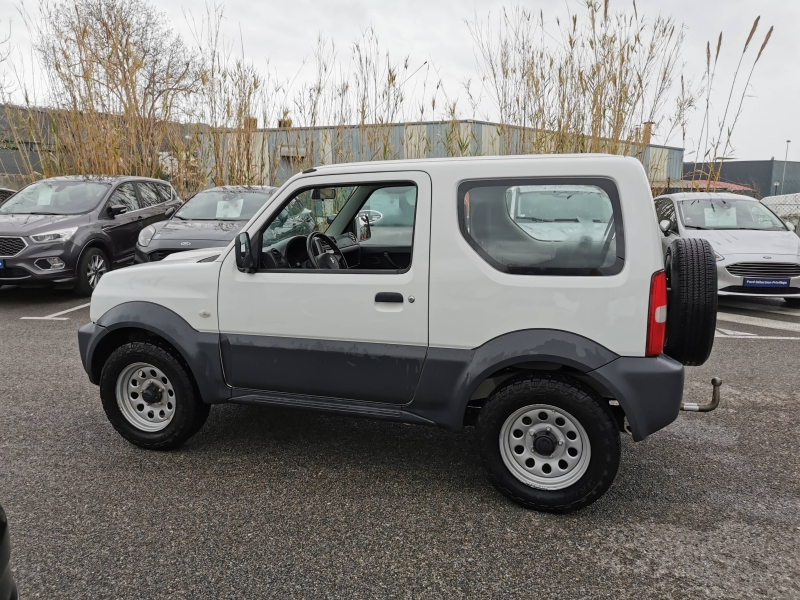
point(123, 229)
point(330, 334)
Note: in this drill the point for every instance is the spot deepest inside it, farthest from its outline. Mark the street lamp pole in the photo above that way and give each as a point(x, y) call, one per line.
point(785, 158)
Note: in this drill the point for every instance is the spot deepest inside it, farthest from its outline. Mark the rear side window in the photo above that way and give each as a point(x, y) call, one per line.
point(544, 226)
point(149, 195)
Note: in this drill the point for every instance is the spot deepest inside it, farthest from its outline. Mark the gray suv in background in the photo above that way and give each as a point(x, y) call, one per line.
point(69, 231)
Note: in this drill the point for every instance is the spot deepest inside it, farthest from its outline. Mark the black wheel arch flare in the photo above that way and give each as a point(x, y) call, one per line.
point(649, 390)
point(198, 349)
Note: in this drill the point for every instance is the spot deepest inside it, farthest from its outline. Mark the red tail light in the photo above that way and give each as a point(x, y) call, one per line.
point(657, 315)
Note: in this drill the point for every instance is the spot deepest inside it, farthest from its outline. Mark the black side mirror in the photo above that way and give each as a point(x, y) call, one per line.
point(330, 219)
point(170, 211)
point(116, 209)
point(246, 258)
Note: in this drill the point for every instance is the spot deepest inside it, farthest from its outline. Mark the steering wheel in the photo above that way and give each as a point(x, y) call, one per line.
point(322, 259)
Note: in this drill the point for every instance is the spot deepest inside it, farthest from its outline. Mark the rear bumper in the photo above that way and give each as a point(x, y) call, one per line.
point(649, 390)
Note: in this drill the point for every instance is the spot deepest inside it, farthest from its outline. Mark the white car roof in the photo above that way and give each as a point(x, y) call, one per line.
point(410, 163)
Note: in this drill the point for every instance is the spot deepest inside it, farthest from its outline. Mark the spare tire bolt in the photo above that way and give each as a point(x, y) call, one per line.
point(547, 428)
point(560, 442)
point(532, 432)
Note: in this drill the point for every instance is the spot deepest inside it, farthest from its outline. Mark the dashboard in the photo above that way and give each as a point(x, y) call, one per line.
point(292, 253)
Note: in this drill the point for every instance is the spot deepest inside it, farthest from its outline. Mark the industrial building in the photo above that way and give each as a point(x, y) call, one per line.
point(766, 177)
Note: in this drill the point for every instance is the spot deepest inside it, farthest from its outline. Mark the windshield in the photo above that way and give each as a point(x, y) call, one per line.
point(56, 198)
point(717, 213)
point(223, 205)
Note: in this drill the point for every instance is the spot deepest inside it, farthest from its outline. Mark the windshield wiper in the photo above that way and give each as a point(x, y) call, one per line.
point(535, 219)
point(698, 227)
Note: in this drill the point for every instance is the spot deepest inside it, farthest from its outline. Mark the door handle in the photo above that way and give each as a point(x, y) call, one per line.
point(389, 297)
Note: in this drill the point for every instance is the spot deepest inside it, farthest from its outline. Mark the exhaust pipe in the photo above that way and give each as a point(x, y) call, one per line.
point(716, 382)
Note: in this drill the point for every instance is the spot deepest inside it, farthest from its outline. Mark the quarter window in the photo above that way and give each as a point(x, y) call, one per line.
point(164, 190)
point(544, 226)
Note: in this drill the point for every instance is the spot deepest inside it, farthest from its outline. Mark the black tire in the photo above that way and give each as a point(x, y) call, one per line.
point(190, 411)
point(567, 395)
point(793, 302)
point(691, 271)
point(85, 285)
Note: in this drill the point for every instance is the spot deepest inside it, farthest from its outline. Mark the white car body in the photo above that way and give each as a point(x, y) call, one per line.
point(741, 253)
point(452, 285)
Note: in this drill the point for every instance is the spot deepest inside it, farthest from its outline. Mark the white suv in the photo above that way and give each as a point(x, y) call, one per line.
point(523, 294)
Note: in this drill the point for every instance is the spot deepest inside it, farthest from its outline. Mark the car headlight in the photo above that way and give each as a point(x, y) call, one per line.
point(146, 236)
point(718, 256)
point(59, 235)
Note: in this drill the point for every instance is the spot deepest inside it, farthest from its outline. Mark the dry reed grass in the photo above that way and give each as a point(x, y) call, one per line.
point(124, 94)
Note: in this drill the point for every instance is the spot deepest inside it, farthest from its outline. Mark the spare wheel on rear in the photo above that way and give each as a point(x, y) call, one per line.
point(691, 271)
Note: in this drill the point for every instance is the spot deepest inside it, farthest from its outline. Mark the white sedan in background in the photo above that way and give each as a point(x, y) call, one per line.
point(757, 253)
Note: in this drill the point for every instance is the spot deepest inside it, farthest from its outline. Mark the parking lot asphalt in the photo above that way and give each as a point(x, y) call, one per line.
point(289, 504)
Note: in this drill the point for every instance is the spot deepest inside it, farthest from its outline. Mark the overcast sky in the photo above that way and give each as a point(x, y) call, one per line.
point(284, 32)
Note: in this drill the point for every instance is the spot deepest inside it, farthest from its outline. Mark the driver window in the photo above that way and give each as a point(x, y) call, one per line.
point(309, 211)
point(371, 227)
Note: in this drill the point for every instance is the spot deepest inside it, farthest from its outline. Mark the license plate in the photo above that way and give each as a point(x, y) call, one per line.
point(761, 282)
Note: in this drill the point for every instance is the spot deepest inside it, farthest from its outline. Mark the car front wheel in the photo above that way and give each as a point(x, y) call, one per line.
point(150, 397)
point(92, 266)
point(548, 444)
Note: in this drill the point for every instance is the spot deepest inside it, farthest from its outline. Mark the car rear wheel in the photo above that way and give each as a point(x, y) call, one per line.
point(150, 397)
point(692, 297)
point(548, 444)
point(92, 266)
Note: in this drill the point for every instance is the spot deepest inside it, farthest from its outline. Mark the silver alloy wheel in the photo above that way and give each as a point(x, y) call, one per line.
point(545, 447)
point(145, 397)
point(95, 270)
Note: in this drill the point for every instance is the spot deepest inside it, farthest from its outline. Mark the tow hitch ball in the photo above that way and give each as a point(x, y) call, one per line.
point(716, 382)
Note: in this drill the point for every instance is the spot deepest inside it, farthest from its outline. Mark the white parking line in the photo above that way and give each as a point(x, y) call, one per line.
point(758, 322)
point(56, 316)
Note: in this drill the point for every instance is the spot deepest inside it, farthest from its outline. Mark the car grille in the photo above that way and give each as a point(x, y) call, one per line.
point(157, 255)
point(14, 273)
point(740, 289)
point(11, 246)
point(764, 270)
